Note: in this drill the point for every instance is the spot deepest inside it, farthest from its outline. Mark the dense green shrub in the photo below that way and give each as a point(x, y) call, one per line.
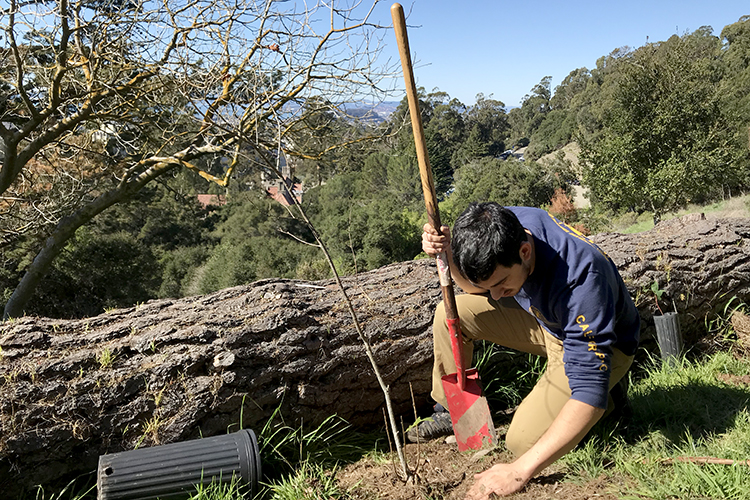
point(510, 182)
point(97, 272)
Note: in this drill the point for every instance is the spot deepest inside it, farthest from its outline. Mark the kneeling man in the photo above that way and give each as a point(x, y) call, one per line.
point(536, 285)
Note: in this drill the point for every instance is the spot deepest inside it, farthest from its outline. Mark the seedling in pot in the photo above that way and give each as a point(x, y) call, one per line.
point(658, 292)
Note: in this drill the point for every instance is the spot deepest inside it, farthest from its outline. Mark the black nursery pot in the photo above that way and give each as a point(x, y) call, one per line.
point(173, 471)
point(668, 336)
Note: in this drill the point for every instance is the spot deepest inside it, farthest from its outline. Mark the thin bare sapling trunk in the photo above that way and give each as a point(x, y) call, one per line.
point(406, 472)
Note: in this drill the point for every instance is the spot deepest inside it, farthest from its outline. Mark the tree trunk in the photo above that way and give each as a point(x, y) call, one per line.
point(67, 227)
point(52, 247)
point(172, 370)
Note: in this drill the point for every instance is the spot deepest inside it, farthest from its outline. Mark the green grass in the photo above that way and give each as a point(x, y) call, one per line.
point(80, 488)
point(301, 464)
point(283, 447)
point(507, 376)
point(630, 223)
point(682, 411)
point(219, 491)
point(310, 481)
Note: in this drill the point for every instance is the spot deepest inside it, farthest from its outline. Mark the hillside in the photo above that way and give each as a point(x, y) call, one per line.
point(171, 370)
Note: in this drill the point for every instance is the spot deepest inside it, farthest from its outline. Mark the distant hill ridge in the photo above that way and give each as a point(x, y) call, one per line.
point(373, 112)
point(378, 113)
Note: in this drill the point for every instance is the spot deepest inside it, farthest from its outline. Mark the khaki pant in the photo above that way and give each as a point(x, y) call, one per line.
point(504, 322)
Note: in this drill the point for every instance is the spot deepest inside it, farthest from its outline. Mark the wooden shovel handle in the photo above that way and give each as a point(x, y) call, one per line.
point(428, 185)
point(425, 172)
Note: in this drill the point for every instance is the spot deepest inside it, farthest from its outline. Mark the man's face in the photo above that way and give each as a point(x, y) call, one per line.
point(507, 281)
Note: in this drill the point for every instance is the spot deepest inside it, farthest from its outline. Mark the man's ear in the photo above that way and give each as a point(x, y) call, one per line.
point(525, 251)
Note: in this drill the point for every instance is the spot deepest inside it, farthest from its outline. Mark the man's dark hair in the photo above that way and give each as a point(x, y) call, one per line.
point(484, 236)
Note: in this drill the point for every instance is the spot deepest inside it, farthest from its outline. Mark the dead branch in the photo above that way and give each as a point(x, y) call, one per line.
point(704, 460)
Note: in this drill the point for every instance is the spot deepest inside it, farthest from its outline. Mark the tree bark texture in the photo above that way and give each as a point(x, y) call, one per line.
point(171, 370)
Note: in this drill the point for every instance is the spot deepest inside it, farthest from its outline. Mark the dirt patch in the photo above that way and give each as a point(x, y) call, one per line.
point(741, 324)
point(445, 474)
point(734, 379)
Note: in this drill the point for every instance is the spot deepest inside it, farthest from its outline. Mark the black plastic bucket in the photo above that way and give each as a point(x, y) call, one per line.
point(668, 336)
point(173, 471)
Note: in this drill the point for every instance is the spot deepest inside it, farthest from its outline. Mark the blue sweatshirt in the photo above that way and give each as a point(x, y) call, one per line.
point(577, 294)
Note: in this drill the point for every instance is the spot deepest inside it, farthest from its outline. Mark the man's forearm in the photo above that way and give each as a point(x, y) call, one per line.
point(570, 426)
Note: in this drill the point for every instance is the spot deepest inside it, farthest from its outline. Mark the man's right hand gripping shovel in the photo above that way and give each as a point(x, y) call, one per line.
point(470, 413)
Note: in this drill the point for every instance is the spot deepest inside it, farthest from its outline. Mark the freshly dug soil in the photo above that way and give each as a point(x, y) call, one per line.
point(443, 473)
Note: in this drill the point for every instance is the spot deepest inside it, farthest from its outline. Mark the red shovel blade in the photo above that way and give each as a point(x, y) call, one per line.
point(470, 413)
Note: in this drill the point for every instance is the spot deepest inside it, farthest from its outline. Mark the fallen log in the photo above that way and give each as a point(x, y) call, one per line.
point(701, 264)
point(172, 370)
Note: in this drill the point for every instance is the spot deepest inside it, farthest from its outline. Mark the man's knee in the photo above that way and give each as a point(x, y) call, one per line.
point(518, 441)
point(439, 313)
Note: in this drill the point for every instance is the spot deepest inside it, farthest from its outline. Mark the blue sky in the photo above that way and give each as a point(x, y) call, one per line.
point(502, 48)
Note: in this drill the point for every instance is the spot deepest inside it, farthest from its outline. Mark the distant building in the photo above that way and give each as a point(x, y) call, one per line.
point(211, 200)
point(281, 193)
point(117, 139)
point(274, 187)
point(269, 178)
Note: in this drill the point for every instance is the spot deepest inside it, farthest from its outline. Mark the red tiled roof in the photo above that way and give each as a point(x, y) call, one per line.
point(282, 197)
point(212, 200)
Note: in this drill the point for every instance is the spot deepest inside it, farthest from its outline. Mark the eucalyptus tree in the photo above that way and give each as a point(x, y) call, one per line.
point(560, 125)
point(486, 125)
point(525, 119)
point(735, 86)
point(98, 99)
point(444, 134)
point(664, 140)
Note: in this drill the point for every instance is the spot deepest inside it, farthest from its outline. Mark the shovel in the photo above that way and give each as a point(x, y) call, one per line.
point(470, 414)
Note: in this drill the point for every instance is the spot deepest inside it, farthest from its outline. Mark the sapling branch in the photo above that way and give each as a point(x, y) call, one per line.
point(406, 473)
point(705, 460)
point(658, 292)
point(297, 238)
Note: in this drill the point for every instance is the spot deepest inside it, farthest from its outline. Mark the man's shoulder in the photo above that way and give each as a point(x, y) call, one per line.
point(535, 216)
point(527, 211)
point(563, 239)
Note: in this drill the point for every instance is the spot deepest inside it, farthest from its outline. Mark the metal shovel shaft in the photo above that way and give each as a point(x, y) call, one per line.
point(457, 346)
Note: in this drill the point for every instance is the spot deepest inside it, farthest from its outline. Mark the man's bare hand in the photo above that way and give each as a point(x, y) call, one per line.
point(433, 243)
point(500, 479)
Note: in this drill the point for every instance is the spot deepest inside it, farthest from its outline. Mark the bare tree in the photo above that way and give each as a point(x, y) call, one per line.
point(98, 99)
